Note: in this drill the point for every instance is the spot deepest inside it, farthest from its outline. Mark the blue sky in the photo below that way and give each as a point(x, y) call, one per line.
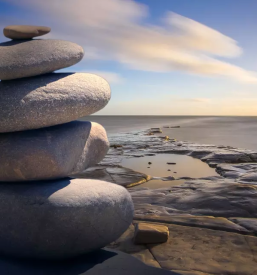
point(165, 57)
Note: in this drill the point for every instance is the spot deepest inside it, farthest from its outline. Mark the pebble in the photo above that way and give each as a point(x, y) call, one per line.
point(146, 233)
point(24, 31)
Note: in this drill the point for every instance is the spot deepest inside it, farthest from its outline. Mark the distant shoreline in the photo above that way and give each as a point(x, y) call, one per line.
point(239, 132)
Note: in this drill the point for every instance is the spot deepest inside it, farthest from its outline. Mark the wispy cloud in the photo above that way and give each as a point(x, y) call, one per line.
point(116, 30)
point(192, 100)
point(109, 76)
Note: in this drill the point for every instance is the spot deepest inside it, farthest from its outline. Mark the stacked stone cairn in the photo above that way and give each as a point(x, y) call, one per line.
point(45, 211)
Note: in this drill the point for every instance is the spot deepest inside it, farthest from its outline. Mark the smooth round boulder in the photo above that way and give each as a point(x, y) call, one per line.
point(50, 99)
point(53, 152)
point(61, 219)
point(26, 58)
point(25, 31)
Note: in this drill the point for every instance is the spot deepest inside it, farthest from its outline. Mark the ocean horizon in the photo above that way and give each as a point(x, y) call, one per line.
point(236, 131)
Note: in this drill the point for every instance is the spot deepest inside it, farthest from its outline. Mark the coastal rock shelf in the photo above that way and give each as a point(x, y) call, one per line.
point(44, 213)
point(211, 220)
point(210, 197)
point(222, 158)
point(194, 250)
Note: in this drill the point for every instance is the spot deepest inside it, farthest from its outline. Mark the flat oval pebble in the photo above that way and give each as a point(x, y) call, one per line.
point(63, 218)
point(50, 99)
point(53, 152)
point(34, 57)
point(24, 31)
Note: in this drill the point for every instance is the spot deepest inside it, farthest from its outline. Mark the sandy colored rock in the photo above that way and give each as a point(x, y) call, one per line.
point(126, 244)
point(24, 31)
point(196, 251)
point(34, 57)
point(53, 152)
point(61, 219)
point(147, 233)
point(50, 99)
point(216, 223)
point(207, 251)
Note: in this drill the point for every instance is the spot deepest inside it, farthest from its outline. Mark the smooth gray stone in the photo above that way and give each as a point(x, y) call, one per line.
point(63, 218)
point(53, 152)
point(25, 31)
point(50, 99)
point(34, 57)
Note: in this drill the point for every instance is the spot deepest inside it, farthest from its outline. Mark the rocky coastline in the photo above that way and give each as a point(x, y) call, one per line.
point(58, 201)
point(212, 221)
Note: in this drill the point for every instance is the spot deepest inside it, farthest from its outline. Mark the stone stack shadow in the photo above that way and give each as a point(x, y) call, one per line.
point(45, 212)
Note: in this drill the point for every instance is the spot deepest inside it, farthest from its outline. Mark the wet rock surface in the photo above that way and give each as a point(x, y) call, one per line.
point(211, 220)
point(195, 250)
point(218, 198)
point(228, 161)
point(116, 174)
point(208, 251)
point(215, 223)
point(249, 223)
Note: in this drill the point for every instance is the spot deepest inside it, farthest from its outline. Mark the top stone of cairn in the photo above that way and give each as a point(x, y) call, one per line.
point(24, 31)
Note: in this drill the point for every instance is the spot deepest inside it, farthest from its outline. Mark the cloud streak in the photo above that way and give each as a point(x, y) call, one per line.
point(191, 100)
point(116, 30)
point(111, 77)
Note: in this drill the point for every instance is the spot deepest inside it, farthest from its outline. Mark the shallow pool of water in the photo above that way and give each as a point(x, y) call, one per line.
point(184, 166)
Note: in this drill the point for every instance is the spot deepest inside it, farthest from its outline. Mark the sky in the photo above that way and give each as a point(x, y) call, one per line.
point(160, 57)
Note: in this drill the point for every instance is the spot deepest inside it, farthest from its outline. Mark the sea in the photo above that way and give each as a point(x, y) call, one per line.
point(240, 132)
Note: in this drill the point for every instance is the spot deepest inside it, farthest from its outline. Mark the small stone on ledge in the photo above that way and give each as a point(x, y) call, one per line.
point(146, 233)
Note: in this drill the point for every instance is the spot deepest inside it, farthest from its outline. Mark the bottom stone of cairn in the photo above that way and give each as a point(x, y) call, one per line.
point(62, 218)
